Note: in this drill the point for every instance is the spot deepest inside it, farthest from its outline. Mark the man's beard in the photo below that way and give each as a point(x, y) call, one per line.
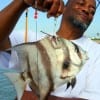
point(78, 23)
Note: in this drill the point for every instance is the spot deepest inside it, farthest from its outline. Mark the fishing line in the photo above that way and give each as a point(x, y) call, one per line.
point(36, 23)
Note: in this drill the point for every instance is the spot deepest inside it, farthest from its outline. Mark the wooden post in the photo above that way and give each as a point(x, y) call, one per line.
point(26, 26)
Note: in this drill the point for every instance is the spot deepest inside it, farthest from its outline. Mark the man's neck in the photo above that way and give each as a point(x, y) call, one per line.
point(69, 36)
point(69, 32)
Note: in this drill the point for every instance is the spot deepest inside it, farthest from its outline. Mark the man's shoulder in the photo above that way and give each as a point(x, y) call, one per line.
point(88, 45)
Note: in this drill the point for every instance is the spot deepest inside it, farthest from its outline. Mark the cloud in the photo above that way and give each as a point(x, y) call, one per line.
point(18, 37)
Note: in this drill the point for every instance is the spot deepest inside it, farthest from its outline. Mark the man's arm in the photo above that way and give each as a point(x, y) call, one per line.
point(10, 14)
point(31, 95)
point(9, 17)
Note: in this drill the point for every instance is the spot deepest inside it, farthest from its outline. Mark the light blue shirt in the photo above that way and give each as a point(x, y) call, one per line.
point(7, 90)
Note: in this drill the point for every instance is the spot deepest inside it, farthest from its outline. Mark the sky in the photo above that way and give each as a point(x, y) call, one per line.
point(50, 25)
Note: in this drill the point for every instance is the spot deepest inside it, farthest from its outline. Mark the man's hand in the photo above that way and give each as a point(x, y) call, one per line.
point(52, 7)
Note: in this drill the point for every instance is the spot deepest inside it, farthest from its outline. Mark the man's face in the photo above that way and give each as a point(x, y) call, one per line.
point(80, 12)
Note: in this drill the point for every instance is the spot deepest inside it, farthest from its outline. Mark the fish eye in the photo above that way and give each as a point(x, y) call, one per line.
point(65, 64)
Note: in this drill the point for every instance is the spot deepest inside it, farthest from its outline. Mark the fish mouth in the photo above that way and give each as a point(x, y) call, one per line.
point(71, 82)
point(64, 77)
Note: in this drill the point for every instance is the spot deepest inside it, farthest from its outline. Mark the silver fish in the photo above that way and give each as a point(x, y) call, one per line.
point(46, 65)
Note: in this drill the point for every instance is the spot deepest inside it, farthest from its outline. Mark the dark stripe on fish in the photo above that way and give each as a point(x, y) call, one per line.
point(46, 62)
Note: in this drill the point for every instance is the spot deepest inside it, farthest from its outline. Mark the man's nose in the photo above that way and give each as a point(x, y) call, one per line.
point(85, 10)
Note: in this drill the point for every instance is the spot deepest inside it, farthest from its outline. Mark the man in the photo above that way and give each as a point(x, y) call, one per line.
point(77, 16)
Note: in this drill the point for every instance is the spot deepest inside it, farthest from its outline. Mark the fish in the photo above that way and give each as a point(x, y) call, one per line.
point(47, 64)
